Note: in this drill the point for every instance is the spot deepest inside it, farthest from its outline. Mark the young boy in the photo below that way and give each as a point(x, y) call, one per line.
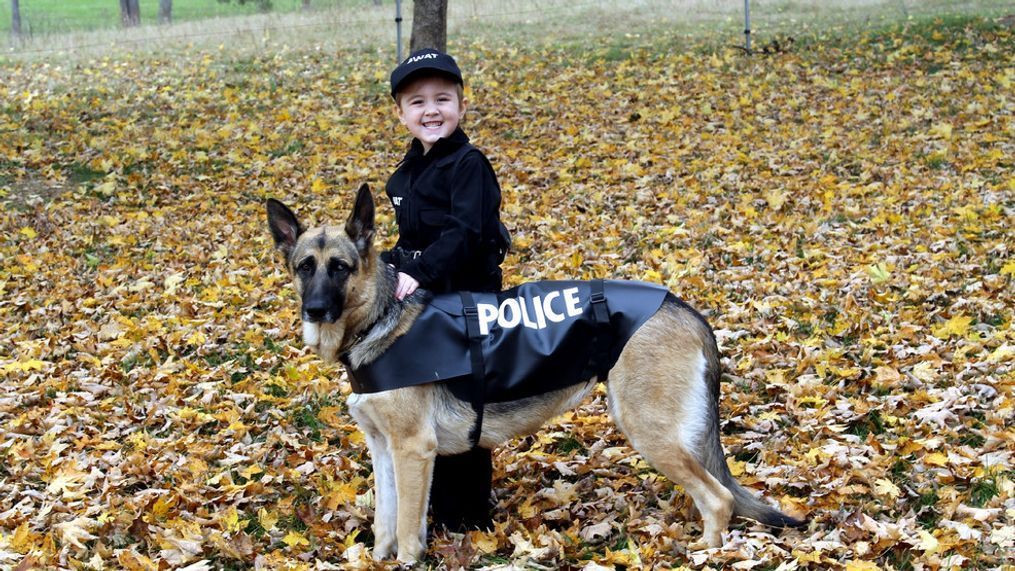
point(450, 238)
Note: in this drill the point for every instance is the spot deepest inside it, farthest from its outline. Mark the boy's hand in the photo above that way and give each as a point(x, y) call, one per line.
point(406, 285)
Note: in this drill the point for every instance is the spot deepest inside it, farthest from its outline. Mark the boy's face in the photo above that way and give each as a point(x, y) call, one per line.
point(430, 108)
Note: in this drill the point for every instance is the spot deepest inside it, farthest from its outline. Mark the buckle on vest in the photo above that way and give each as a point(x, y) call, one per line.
point(471, 311)
point(598, 297)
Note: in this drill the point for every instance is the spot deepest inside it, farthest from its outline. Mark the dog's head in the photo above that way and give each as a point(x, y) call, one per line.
point(332, 270)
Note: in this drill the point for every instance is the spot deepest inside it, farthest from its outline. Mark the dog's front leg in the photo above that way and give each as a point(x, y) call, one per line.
point(385, 498)
point(413, 458)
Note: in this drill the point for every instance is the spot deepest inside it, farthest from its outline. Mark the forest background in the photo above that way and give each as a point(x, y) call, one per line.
point(839, 206)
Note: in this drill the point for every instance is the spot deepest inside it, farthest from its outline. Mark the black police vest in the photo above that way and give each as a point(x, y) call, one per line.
point(521, 342)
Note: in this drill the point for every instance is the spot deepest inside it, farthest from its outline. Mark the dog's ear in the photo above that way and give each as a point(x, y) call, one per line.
point(285, 229)
point(360, 226)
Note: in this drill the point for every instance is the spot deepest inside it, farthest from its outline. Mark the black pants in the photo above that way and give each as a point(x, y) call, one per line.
point(460, 493)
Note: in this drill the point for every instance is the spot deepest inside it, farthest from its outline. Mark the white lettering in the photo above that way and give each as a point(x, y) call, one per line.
point(421, 57)
point(505, 322)
point(525, 314)
point(540, 318)
point(396, 200)
point(487, 315)
point(571, 302)
point(548, 309)
point(532, 313)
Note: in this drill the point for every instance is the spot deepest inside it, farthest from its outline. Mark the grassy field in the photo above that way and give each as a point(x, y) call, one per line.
point(56, 16)
point(90, 27)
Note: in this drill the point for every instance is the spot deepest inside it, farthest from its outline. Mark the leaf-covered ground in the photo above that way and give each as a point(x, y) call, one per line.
point(842, 214)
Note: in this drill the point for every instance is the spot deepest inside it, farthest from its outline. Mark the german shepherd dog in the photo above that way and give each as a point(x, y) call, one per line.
point(663, 390)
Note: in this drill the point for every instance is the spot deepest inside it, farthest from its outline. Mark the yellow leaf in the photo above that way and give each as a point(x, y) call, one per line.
point(161, 508)
point(925, 371)
point(350, 539)
point(807, 557)
point(294, 539)
point(332, 416)
point(775, 198)
point(1008, 269)
point(936, 459)
point(29, 232)
point(878, 273)
point(196, 338)
point(318, 186)
point(172, 282)
point(928, 543)
point(267, 519)
point(340, 494)
point(22, 366)
point(251, 471)
point(886, 488)
point(132, 561)
point(862, 566)
point(814, 400)
point(23, 539)
point(958, 325)
point(736, 466)
point(231, 521)
point(942, 130)
point(889, 375)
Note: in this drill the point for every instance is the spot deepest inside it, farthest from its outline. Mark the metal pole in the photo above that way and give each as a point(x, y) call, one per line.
point(398, 27)
point(747, 25)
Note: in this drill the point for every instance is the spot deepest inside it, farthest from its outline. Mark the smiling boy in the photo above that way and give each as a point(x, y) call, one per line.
point(450, 238)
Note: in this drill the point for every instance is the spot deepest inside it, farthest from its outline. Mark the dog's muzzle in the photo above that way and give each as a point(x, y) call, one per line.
point(318, 315)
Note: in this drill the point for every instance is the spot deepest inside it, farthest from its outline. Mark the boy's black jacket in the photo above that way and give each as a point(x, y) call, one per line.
point(447, 205)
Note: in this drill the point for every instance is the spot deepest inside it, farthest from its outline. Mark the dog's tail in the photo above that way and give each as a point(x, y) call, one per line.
point(710, 452)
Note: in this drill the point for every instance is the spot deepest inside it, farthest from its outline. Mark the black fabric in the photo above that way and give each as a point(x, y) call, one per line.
point(476, 362)
point(447, 205)
point(460, 493)
point(519, 361)
point(426, 61)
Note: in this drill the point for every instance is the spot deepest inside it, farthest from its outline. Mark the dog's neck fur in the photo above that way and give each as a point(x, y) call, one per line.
point(386, 318)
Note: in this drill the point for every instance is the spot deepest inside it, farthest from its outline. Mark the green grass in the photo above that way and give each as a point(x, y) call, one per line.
point(57, 16)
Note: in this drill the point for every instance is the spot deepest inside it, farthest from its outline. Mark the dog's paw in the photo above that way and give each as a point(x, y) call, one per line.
point(384, 550)
point(410, 554)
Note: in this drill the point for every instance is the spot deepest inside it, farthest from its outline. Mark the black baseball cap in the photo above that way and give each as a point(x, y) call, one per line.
point(426, 61)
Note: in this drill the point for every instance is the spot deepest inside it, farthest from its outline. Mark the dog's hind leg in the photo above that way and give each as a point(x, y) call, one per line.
point(660, 399)
point(660, 444)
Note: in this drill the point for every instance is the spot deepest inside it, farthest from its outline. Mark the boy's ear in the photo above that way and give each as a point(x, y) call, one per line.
point(285, 229)
point(360, 226)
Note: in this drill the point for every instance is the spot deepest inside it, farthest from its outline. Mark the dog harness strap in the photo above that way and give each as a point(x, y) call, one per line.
point(478, 385)
point(600, 359)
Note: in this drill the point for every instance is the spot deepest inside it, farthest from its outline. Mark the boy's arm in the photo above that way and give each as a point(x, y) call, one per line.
point(474, 194)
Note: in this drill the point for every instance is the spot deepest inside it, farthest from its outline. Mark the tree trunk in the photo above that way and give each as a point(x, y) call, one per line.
point(306, 4)
point(130, 13)
point(165, 11)
point(15, 19)
point(429, 25)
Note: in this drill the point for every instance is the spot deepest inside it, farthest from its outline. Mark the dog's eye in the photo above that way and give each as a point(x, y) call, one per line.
point(306, 267)
point(336, 266)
